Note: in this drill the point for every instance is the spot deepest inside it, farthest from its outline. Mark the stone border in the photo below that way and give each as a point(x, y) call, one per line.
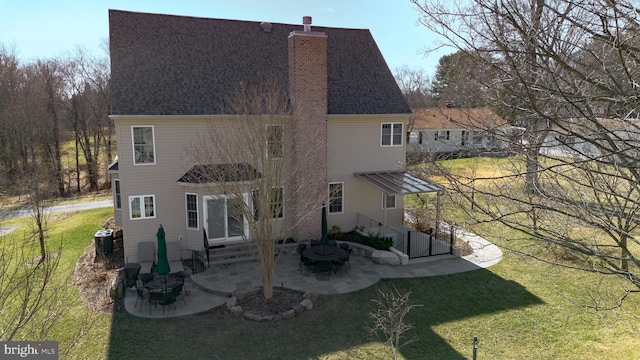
point(309, 298)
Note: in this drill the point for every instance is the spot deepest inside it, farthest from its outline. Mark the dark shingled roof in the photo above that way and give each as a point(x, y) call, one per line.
point(177, 65)
point(202, 174)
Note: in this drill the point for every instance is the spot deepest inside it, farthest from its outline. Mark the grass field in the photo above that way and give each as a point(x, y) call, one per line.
point(518, 309)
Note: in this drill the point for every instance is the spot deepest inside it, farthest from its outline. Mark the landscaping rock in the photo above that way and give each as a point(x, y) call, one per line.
point(289, 314)
point(298, 308)
point(232, 302)
point(308, 304)
point(236, 311)
point(385, 258)
point(252, 316)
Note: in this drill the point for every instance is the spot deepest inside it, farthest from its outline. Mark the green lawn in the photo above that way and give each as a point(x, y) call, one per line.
point(518, 309)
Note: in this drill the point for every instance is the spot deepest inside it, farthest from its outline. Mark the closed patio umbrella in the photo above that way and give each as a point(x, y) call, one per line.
point(163, 263)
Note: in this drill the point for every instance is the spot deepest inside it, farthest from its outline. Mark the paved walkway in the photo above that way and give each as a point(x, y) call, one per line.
point(211, 288)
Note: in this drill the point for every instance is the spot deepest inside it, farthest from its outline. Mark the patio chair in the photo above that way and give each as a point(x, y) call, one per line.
point(178, 292)
point(339, 265)
point(161, 297)
point(145, 278)
point(347, 258)
point(331, 242)
point(323, 267)
point(344, 246)
point(174, 257)
point(146, 257)
point(305, 262)
point(315, 243)
point(131, 272)
point(142, 293)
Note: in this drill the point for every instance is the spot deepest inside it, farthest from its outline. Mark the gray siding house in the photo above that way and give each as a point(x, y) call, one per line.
point(453, 130)
point(171, 77)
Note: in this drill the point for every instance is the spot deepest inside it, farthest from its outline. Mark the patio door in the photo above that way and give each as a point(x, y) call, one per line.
point(223, 218)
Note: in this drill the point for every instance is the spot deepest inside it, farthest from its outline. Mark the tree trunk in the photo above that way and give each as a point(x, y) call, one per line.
point(267, 266)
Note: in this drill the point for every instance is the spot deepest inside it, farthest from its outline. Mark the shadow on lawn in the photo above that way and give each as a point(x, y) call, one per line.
point(338, 326)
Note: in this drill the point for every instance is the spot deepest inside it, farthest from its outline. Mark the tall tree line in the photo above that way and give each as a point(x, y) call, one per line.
point(45, 105)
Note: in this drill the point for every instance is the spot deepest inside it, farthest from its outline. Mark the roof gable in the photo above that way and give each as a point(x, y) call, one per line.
point(177, 65)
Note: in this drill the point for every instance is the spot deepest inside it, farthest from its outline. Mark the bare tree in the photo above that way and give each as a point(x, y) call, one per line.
point(32, 298)
point(415, 86)
point(390, 309)
point(250, 157)
point(88, 104)
point(566, 71)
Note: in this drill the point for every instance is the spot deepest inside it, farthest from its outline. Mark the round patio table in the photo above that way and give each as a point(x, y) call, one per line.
point(324, 253)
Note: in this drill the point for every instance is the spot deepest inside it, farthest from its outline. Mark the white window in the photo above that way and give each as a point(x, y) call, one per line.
point(275, 142)
point(391, 134)
point(142, 207)
point(336, 197)
point(442, 135)
point(388, 201)
point(116, 194)
point(276, 203)
point(477, 137)
point(414, 137)
point(192, 211)
point(144, 147)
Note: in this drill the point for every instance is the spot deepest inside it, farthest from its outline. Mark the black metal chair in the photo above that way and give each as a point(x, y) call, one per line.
point(347, 258)
point(315, 243)
point(305, 263)
point(131, 272)
point(178, 292)
point(339, 265)
point(323, 267)
point(163, 298)
point(142, 293)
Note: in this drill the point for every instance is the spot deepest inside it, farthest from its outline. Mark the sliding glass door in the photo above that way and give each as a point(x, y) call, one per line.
point(223, 218)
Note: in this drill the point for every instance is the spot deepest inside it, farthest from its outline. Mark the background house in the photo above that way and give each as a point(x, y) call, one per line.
point(171, 77)
point(453, 130)
point(604, 139)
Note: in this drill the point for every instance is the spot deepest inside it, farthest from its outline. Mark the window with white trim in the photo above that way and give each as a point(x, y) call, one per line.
point(336, 197)
point(388, 201)
point(391, 134)
point(144, 147)
point(414, 137)
point(275, 142)
point(192, 211)
point(142, 207)
point(442, 135)
point(477, 137)
point(276, 203)
point(116, 194)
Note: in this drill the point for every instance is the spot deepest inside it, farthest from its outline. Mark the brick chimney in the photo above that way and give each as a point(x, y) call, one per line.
point(308, 94)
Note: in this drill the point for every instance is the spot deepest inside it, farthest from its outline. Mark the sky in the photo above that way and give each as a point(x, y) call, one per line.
point(42, 29)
